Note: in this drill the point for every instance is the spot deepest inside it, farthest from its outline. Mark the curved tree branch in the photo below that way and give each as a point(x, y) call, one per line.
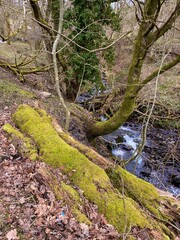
point(38, 16)
point(144, 39)
point(154, 36)
point(163, 69)
point(97, 49)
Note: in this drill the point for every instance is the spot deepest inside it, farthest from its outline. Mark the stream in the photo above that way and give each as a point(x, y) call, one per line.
point(159, 162)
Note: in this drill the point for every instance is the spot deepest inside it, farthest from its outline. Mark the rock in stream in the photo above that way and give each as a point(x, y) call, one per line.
point(158, 163)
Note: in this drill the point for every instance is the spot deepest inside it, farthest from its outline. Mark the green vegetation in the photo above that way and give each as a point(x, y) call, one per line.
point(88, 176)
point(27, 147)
point(124, 200)
point(72, 197)
point(8, 88)
point(87, 22)
point(146, 36)
point(142, 192)
point(119, 195)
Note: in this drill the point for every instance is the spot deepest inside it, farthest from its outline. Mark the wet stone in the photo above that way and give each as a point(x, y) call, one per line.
point(176, 180)
point(119, 139)
point(160, 155)
point(127, 147)
point(146, 173)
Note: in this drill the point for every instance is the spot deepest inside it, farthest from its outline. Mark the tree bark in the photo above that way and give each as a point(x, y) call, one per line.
point(56, 73)
point(38, 16)
point(147, 35)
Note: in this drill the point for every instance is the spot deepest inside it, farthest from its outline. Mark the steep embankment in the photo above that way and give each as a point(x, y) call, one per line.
point(38, 202)
point(123, 208)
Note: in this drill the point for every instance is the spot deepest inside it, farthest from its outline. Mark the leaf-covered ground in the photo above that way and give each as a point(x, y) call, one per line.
point(28, 207)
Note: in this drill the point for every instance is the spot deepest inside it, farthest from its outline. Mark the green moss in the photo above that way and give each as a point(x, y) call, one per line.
point(142, 192)
point(166, 237)
point(25, 144)
point(168, 234)
point(131, 238)
point(57, 191)
point(71, 192)
point(119, 210)
point(80, 216)
point(43, 114)
point(7, 87)
point(71, 197)
point(167, 123)
point(67, 194)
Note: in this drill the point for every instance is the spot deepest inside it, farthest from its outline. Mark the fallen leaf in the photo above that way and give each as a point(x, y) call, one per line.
point(85, 229)
point(22, 200)
point(47, 230)
point(11, 235)
point(41, 210)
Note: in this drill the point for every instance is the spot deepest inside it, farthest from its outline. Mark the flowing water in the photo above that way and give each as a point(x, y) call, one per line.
point(156, 164)
point(159, 163)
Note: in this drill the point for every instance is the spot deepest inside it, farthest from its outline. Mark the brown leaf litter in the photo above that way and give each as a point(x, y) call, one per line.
point(28, 207)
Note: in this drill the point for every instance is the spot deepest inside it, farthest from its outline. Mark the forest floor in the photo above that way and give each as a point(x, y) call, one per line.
point(28, 207)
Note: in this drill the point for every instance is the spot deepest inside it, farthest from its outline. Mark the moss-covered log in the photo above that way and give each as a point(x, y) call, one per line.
point(24, 144)
point(87, 151)
point(124, 207)
point(66, 193)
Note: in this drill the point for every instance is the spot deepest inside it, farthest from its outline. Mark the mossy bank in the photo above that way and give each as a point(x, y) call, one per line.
point(121, 209)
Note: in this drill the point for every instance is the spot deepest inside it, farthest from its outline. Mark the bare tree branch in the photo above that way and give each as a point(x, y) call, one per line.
point(54, 52)
point(154, 36)
point(140, 148)
point(97, 49)
point(140, 8)
point(162, 70)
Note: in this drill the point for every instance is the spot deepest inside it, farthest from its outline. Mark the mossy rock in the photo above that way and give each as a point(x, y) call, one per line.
point(142, 192)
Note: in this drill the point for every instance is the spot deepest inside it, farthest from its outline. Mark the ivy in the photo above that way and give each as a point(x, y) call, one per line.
point(93, 17)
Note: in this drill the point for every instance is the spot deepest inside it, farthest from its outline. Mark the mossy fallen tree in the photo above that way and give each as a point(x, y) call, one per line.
point(126, 201)
point(20, 70)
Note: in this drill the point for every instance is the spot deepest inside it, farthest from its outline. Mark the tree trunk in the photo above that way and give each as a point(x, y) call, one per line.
point(147, 35)
point(128, 203)
point(131, 93)
point(55, 64)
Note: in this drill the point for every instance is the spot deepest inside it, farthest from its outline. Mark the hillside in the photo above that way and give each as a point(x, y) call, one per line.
point(68, 211)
